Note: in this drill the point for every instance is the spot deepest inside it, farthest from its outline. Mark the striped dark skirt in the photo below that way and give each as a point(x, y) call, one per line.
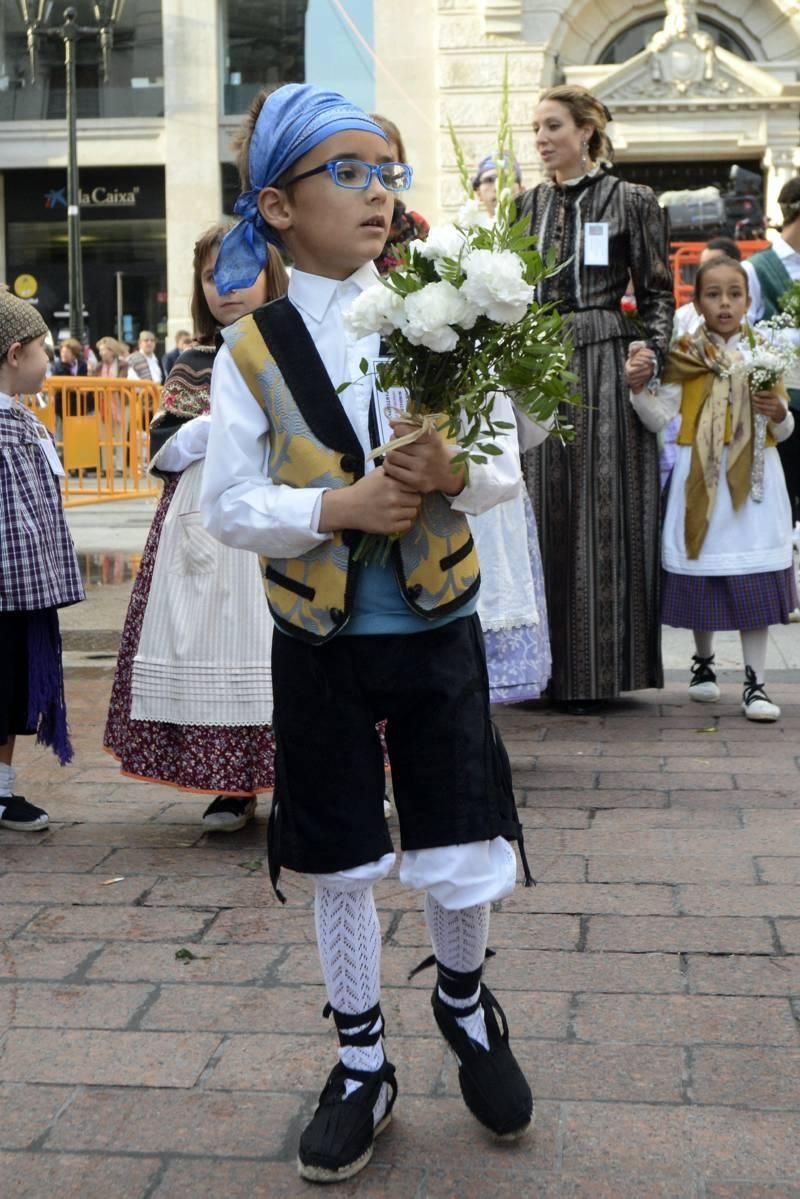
point(715, 603)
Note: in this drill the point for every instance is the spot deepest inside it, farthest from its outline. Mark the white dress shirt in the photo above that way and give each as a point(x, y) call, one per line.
point(240, 505)
point(154, 366)
point(791, 262)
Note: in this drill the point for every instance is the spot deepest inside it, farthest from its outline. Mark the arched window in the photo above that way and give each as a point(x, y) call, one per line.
point(635, 38)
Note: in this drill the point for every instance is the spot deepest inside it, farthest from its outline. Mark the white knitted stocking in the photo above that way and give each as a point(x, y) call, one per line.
point(349, 941)
point(459, 942)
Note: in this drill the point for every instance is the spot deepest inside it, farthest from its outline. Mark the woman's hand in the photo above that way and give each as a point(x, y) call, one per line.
point(771, 405)
point(639, 366)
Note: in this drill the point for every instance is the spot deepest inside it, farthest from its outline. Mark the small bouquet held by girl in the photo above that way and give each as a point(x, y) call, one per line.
point(460, 323)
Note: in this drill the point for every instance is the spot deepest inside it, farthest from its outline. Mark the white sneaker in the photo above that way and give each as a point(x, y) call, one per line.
point(794, 616)
point(228, 813)
point(703, 687)
point(756, 704)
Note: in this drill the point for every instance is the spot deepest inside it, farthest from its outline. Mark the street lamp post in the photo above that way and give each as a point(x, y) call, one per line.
point(69, 33)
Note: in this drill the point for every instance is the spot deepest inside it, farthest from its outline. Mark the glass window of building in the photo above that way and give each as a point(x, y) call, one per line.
point(136, 83)
point(123, 232)
point(264, 44)
point(635, 38)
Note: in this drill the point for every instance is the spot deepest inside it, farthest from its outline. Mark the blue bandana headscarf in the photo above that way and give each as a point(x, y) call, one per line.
point(488, 164)
point(294, 119)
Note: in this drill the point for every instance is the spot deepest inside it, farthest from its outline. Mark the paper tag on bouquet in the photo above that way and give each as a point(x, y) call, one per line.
point(387, 405)
point(49, 451)
point(595, 243)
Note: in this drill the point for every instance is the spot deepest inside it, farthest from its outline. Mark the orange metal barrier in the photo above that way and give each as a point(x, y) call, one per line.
point(102, 433)
point(684, 258)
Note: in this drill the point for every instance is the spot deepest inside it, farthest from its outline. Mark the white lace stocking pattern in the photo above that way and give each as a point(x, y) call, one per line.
point(459, 942)
point(349, 942)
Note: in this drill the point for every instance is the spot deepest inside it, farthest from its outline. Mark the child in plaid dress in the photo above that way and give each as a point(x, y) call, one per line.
point(727, 558)
point(38, 569)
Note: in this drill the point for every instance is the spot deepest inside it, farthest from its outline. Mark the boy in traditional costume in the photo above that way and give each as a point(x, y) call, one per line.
point(286, 475)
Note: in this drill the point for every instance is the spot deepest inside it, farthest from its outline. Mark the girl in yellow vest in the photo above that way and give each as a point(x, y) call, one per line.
point(727, 559)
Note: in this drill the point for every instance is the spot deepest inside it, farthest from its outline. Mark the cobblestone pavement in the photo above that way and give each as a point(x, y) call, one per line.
point(160, 1014)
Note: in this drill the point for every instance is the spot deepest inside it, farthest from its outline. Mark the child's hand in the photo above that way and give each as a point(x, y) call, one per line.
point(425, 465)
point(375, 504)
point(770, 404)
point(639, 366)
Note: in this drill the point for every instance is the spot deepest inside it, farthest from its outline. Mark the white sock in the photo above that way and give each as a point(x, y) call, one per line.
point(754, 651)
point(7, 776)
point(349, 943)
point(459, 942)
point(703, 643)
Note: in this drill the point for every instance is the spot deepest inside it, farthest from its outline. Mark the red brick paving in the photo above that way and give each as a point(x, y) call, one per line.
point(652, 979)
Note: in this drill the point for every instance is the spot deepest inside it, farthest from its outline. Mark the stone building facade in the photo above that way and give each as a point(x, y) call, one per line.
point(682, 98)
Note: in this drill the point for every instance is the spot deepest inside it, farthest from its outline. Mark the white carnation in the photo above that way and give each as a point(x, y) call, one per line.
point(379, 309)
point(431, 313)
point(495, 285)
point(443, 241)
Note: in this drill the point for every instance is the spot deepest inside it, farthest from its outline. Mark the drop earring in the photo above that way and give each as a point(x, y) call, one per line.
point(584, 157)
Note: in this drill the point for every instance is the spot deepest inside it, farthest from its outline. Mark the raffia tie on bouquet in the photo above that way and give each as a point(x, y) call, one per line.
point(427, 423)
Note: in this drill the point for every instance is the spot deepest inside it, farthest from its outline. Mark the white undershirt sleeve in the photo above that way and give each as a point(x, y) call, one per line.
point(655, 411)
point(239, 504)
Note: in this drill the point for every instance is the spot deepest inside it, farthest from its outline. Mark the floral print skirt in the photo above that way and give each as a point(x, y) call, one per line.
point(229, 760)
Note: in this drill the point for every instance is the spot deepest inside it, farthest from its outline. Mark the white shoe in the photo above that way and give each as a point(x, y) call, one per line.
point(703, 687)
point(794, 616)
point(756, 704)
point(228, 813)
point(387, 807)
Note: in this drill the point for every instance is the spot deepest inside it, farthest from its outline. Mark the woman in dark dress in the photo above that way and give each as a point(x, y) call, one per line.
point(597, 499)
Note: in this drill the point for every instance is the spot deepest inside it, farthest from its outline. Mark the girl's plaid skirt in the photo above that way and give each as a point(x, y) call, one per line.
point(712, 604)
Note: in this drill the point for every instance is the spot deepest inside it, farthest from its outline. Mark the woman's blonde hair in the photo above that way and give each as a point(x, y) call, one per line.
point(585, 109)
point(114, 346)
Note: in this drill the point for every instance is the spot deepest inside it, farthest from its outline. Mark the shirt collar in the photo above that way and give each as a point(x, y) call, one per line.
point(727, 343)
point(315, 293)
point(783, 249)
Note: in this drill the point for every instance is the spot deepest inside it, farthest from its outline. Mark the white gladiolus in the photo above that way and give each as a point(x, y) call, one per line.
point(496, 285)
point(472, 215)
point(379, 309)
point(431, 313)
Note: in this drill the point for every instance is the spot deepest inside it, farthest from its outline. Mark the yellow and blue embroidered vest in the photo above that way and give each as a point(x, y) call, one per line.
point(313, 444)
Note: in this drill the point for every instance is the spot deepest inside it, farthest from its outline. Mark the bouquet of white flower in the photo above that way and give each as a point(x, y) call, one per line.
point(768, 362)
point(460, 323)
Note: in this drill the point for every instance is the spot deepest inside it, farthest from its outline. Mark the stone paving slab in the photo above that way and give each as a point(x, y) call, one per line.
point(652, 978)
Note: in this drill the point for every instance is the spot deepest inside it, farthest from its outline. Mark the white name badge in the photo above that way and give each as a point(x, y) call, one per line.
point(386, 403)
point(595, 244)
point(49, 451)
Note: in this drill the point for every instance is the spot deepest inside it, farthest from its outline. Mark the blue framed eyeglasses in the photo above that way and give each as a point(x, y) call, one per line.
point(355, 175)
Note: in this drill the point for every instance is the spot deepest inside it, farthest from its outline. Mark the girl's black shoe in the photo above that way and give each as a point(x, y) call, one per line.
point(17, 813)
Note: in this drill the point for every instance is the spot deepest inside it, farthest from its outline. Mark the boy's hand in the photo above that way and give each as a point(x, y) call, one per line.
point(375, 504)
point(770, 404)
point(425, 465)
